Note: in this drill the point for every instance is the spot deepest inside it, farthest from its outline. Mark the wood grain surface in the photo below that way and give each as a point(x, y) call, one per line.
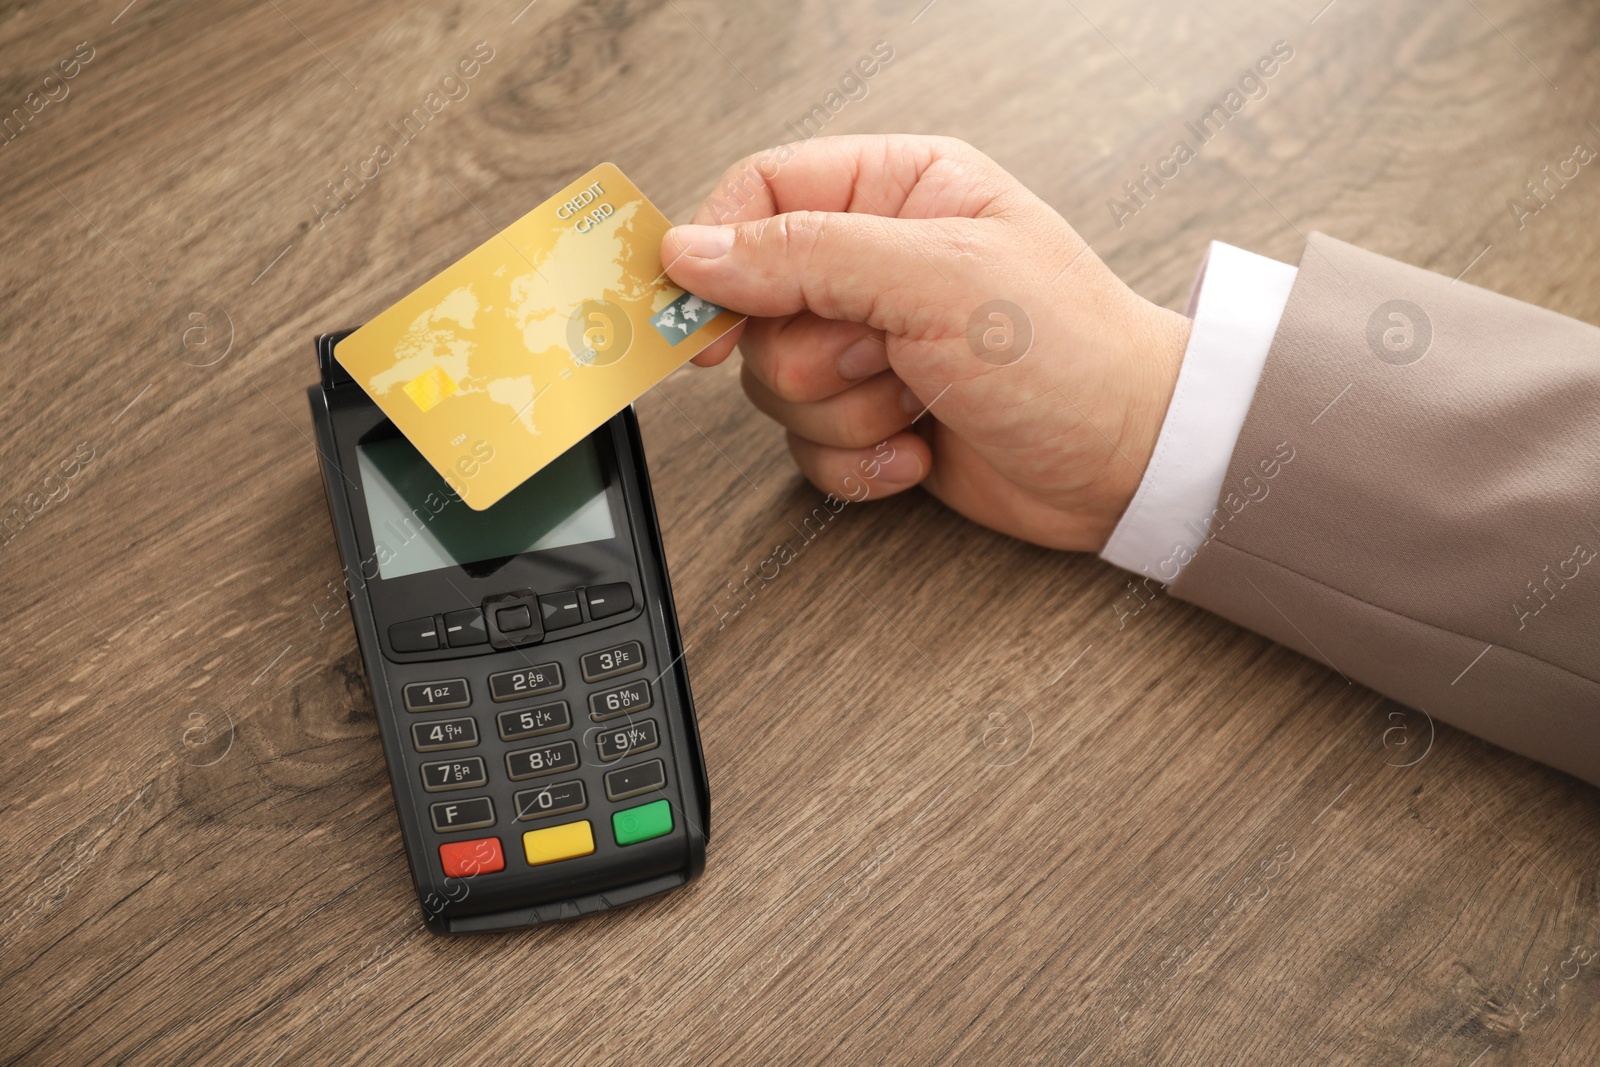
point(973, 801)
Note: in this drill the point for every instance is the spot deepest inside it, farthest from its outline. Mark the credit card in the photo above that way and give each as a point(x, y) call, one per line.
point(524, 346)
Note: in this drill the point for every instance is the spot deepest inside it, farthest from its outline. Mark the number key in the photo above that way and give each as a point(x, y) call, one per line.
point(557, 798)
point(437, 696)
point(610, 662)
point(443, 734)
point(609, 703)
point(531, 722)
point(626, 740)
point(454, 774)
point(532, 762)
point(527, 682)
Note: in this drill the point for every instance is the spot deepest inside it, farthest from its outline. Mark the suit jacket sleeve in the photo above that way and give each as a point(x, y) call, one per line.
point(1414, 500)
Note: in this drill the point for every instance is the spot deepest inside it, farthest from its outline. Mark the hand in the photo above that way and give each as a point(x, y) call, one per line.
point(866, 263)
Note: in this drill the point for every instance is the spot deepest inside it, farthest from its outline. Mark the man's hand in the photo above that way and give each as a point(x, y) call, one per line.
point(889, 278)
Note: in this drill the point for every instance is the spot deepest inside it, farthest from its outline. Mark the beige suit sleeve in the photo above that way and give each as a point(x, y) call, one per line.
point(1414, 500)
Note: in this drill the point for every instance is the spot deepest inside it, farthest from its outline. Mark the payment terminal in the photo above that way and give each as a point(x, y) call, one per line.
point(526, 670)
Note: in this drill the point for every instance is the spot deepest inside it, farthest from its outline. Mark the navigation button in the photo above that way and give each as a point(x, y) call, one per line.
point(608, 600)
point(560, 610)
point(465, 628)
point(414, 635)
point(513, 622)
point(517, 618)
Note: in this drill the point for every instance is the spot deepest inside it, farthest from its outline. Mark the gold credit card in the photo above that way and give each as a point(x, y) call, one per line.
point(524, 346)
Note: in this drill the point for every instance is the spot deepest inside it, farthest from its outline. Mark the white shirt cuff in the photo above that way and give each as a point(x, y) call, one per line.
point(1237, 300)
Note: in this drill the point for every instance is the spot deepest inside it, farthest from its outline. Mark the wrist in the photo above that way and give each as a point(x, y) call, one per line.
point(1154, 357)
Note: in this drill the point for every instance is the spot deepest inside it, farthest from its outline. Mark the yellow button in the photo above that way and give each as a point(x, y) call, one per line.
point(558, 842)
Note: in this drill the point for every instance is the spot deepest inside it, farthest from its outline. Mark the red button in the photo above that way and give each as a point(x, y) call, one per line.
point(463, 859)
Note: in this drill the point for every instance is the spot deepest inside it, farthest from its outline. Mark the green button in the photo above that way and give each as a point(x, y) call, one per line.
point(642, 823)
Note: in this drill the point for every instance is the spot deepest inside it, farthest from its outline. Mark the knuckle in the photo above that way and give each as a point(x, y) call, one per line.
point(772, 388)
point(866, 421)
point(778, 366)
point(741, 169)
point(812, 246)
point(955, 150)
point(956, 146)
point(742, 185)
point(858, 430)
point(789, 380)
point(955, 243)
point(798, 234)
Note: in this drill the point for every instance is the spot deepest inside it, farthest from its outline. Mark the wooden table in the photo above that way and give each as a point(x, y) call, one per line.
point(973, 801)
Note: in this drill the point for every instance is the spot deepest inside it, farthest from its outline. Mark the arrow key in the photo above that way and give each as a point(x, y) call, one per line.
point(560, 610)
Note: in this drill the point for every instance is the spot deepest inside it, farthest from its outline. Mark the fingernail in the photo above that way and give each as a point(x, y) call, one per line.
point(862, 359)
point(703, 242)
point(910, 403)
point(902, 468)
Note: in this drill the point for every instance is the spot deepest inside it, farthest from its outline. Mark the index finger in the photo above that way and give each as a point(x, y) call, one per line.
point(898, 176)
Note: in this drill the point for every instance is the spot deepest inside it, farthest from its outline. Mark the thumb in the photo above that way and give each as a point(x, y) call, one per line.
point(846, 266)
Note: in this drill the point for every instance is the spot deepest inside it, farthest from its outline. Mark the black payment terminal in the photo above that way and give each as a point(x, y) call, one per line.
point(526, 670)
